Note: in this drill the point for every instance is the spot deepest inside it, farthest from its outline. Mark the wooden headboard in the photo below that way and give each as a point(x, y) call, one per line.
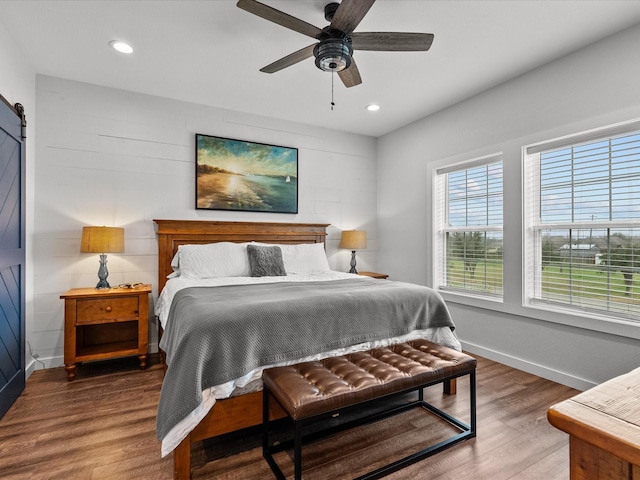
point(173, 233)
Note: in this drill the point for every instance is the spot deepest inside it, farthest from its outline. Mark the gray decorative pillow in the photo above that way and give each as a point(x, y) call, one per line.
point(265, 261)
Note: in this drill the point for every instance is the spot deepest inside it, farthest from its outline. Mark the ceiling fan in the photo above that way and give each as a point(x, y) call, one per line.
point(337, 41)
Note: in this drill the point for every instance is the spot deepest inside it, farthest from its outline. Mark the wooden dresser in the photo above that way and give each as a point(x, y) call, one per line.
point(603, 424)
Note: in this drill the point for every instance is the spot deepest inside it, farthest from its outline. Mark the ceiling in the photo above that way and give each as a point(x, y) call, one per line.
point(210, 52)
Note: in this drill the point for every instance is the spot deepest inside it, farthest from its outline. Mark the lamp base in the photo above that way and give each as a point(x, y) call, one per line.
point(103, 273)
point(353, 262)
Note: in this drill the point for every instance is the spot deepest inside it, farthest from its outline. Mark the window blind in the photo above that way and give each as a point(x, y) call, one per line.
point(469, 224)
point(583, 239)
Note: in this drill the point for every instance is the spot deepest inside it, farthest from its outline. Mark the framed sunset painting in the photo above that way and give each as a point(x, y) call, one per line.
point(245, 176)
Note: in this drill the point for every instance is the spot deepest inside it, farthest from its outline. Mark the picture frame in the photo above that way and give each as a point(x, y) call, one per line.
point(245, 176)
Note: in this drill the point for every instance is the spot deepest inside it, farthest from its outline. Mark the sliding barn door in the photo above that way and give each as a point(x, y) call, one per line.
point(12, 325)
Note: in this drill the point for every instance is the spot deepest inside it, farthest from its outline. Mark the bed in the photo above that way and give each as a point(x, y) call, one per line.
point(216, 414)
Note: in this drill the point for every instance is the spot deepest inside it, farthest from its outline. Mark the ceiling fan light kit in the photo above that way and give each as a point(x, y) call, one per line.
point(337, 41)
point(333, 54)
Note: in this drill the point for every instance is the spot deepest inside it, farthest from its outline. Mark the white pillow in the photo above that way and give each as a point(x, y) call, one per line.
point(175, 265)
point(305, 258)
point(213, 260)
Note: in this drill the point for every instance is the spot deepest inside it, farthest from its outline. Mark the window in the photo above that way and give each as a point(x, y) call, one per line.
point(469, 227)
point(582, 203)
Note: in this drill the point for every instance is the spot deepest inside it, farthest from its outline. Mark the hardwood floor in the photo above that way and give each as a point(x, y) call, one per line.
point(102, 426)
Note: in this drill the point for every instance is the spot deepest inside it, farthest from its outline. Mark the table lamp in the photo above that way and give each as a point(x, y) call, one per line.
point(353, 240)
point(102, 240)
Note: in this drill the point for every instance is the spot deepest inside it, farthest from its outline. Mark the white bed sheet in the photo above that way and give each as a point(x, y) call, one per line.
point(252, 381)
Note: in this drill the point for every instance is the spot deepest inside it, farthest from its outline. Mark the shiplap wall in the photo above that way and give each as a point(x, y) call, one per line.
point(117, 158)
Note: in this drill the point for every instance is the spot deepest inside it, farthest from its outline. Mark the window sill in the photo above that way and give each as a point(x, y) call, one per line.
point(548, 313)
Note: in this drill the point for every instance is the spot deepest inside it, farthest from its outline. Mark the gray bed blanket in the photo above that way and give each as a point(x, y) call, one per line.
point(217, 334)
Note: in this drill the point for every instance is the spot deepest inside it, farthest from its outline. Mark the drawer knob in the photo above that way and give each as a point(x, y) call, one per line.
point(107, 309)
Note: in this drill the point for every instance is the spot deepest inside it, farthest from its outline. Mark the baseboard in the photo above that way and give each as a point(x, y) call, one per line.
point(30, 369)
point(42, 363)
point(529, 367)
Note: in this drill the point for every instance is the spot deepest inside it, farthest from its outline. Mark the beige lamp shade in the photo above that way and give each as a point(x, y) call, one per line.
point(353, 239)
point(102, 240)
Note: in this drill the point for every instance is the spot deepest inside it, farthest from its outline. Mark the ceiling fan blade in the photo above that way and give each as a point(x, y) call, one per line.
point(350, 76)
point(349, 14)
point(391, 41)
point(289, 60)
point(281, 18)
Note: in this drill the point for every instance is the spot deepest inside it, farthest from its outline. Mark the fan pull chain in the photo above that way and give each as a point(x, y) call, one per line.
point(332, 75)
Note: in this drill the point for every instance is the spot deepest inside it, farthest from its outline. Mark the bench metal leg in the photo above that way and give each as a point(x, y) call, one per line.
point(472, 402)
point(466, 432)
point(297, 449)
point(267, 449)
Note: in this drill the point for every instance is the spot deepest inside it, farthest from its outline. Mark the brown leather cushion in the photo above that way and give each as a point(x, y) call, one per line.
point(311, 388)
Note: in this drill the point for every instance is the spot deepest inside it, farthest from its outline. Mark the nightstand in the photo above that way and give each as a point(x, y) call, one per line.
point(382, 276)
point(102, 324)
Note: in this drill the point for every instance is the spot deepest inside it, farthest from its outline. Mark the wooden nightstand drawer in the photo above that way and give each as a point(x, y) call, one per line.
point(105, 310)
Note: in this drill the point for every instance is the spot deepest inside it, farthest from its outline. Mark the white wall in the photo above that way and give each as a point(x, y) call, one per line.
point(590, 88)
point(17, 85)
point(117, 158)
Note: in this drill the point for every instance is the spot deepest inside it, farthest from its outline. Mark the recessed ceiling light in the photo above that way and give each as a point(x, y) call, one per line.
point(373, 107)
point(120, 46)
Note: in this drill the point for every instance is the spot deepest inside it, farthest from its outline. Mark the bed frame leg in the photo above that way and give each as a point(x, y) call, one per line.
point(182, 460)
point(450, 387)
point(163, 355)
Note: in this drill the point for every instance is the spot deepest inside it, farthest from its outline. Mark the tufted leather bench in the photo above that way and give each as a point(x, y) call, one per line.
point(311, 391)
